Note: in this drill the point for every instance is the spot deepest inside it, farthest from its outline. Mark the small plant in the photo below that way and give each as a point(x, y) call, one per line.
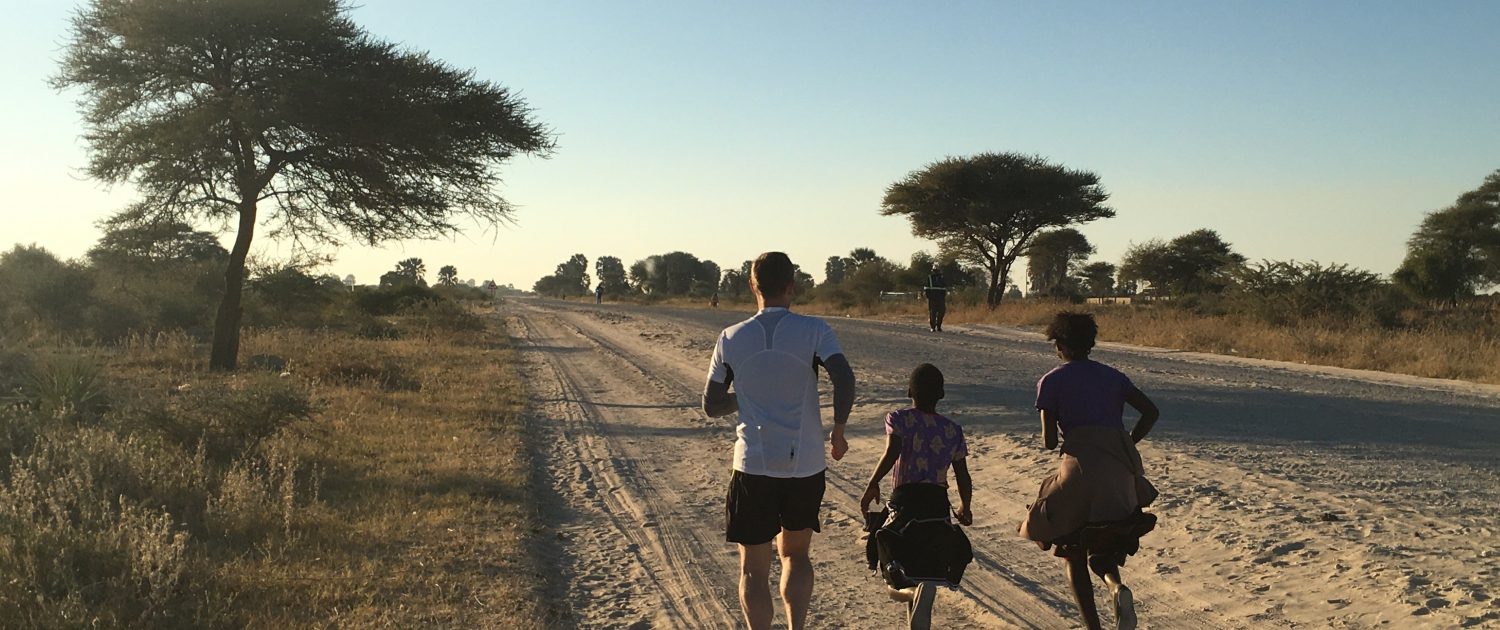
point(64, 387)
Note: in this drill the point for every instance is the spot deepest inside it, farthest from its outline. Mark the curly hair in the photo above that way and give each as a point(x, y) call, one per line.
point(1075, 331)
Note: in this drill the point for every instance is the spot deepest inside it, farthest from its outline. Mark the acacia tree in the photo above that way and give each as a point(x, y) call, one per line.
point(985, 209)
point(211, 108)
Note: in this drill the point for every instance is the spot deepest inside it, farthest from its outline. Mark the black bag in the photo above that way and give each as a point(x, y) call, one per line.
point(919, 540)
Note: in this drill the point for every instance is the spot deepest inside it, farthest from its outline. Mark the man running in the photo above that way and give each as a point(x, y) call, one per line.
point(776, 488)
point(937, 299)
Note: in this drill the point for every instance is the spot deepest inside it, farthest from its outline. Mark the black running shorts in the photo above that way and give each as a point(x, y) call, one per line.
point(759, 507)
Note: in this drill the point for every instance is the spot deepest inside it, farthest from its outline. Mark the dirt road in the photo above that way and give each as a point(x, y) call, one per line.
point(1291, 496)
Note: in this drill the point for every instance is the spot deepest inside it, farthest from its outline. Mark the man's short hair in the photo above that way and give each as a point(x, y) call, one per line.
point(773, 273)
point(1075, 331)
point(925, 384)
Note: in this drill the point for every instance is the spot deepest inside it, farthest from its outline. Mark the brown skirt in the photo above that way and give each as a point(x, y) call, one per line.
point(1099, 479)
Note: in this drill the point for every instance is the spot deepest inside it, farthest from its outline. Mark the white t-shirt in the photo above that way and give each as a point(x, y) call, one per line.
point(769, 359)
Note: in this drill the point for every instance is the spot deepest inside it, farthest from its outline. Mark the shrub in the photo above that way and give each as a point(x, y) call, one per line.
point(232, 417)
point(38, 290)
point(64, 387)
point(258, 496)
point(390, 300)
point(289, 296)
point(1288, 292)
point(75, 551)
point(444, 315)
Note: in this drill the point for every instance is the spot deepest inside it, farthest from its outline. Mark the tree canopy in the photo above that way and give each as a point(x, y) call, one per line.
point(675, 273)
point(610, 272)
point(1456, 250)
point(130, 243)
point(212, 107)
point(985, 209)
point(448, 276)
point(1052, 260)
point(1200, 261)
point(570, 278)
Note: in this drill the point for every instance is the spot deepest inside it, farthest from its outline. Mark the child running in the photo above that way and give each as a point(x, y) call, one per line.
point(918, 542)
point(1090, 509)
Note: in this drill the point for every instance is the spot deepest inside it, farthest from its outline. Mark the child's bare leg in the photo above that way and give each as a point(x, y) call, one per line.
point(1107, 566)
point(1083, 590)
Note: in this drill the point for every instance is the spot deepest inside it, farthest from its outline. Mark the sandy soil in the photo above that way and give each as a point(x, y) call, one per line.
point(1292, 497)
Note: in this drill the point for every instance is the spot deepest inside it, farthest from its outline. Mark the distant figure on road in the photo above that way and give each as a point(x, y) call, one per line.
point(915, 540)
point(937, 299)
point(776, 487)
point(1090, 509)
point(599, 294)
point(714, 301)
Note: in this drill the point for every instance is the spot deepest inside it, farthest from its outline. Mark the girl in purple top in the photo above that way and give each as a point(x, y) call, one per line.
point(922, 444)
point(914, 539)
point(1090, 509)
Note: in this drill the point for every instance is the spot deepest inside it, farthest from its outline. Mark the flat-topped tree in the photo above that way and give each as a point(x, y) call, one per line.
point(984, 209)
point(211, 108)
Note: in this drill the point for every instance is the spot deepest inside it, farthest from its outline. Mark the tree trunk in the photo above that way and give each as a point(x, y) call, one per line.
point(226, 344)
point(997, 288)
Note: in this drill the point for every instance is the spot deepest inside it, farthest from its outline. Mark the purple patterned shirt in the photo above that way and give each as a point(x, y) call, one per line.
point(929, 444)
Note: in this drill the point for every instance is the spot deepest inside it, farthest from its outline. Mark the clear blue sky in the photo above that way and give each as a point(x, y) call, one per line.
point(1308, 130)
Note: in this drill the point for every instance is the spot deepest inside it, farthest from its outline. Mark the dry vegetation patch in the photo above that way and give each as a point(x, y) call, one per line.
point(349, 482)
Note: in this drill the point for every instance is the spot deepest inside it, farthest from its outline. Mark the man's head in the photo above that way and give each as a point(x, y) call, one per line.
point(771, 277)
point(925, 387)
point(1073, 334)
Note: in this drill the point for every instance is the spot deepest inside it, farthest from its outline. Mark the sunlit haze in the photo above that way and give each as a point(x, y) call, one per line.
point(1311, 131)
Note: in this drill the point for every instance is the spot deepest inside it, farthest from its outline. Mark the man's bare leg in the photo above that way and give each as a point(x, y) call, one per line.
point(796, 575)
point(755, 586)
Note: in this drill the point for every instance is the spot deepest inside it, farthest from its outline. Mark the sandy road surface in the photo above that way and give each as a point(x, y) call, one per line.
point(1291, 497)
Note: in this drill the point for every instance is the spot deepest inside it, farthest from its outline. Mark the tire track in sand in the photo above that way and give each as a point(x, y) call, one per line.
point(635, 564)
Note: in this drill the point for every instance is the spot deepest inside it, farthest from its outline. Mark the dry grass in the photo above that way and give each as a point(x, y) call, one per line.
point(376, 483)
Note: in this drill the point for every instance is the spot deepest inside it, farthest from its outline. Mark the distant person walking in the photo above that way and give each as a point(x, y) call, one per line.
point(599, 294)
point(1090, 509)
point(776, 486)
point(936, 292)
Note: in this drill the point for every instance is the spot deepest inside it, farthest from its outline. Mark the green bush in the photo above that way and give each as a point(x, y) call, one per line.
point(289, 296)
point(390, 300)
point(1291, 292)
point(64, 386)
point(37, 290)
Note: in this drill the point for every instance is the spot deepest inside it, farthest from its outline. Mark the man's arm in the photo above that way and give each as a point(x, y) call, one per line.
point(717, 401)
point(842, 377)
point(843, 402)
